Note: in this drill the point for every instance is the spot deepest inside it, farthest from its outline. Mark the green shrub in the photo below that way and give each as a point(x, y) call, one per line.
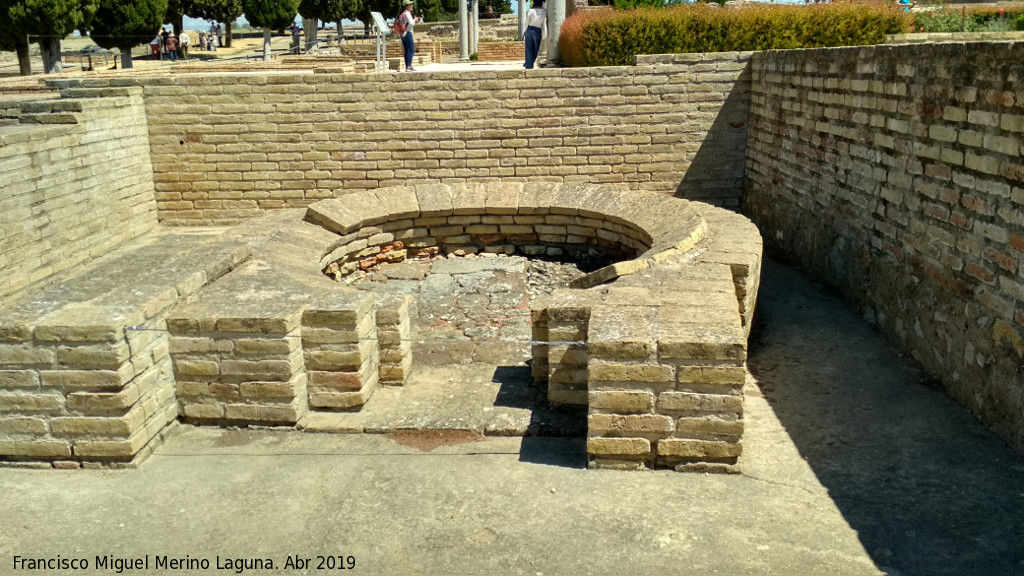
point(607, 38)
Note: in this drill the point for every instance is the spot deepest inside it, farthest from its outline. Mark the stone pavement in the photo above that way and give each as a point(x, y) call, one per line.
point(851, 463)
point(470, 321)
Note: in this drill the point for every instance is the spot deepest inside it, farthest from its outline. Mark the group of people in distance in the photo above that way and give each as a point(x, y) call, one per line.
point(168, 46)
point(209, 41)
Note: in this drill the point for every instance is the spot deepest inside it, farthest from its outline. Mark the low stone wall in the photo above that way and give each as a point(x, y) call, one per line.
point(76, 180)
point(85, 370)
point(894, 173)
point(530, 224)
point(659, 356)
point(933, 37)
point(394, 334)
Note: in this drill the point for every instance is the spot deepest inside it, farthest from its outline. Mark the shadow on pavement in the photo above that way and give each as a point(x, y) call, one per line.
point(555, 436)
point(928, 489)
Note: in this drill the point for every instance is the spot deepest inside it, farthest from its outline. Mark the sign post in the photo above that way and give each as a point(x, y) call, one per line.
point(381, 64)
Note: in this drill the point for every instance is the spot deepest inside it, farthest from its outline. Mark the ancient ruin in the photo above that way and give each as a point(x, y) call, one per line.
point(127, 306)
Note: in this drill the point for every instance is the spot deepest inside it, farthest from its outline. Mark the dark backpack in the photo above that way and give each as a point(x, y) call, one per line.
point(400, 25)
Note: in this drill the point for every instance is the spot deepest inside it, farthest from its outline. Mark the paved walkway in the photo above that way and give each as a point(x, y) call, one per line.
point(469, 66)
point(852, 463)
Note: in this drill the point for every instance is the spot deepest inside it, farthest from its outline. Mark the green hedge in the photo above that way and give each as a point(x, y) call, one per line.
point(612, 38)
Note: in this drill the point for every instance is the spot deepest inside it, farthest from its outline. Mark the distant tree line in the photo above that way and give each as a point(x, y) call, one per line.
point(124, 24)
point(121, 24)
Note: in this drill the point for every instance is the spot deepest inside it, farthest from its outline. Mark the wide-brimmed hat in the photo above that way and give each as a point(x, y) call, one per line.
point(407, 3)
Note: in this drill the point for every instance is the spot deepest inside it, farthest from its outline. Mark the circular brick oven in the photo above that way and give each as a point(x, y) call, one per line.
point(654, 345)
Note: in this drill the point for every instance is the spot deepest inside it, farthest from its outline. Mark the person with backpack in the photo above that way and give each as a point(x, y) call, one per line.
point(536, 24)
point(403, 27)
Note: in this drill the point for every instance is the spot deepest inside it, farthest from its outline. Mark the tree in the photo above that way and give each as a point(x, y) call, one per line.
point(436, 10)
point(12, 39)
point(387, 8)
point(226, 11)
point(176, 11)
point(327, 11)
point(124, 24)
point(270, 14)
point(498, 7)
point(48, 20)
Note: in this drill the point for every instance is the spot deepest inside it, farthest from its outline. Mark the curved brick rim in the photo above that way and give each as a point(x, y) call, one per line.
point(531, 219)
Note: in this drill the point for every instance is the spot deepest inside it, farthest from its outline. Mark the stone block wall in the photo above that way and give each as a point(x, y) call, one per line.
point(562, 320)
point(342, 355)
point(394, 334)
point(260, 347)
point(895, 174)
point(75, 181)
point(525, 234)
point(227, 147)
point(85, 367)
point(239, 372)
point(83, 393)
point(661, 371)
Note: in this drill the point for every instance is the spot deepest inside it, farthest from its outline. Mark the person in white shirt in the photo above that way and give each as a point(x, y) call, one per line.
point(408, 47)
point(183, 41)
point(536, 25)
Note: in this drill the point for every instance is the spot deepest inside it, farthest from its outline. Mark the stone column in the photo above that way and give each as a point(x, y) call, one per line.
point(522, 17)
point(556, 15)
point(463, 32)
point(476, 26)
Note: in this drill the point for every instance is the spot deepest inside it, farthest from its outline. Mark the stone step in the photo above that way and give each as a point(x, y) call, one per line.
point(49, 118)
point(48, 106)
point(69, 93)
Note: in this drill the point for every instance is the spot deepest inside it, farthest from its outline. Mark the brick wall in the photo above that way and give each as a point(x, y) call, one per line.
point(894, 173)
point(76, 180)
point(228, 147)
point(500, 51)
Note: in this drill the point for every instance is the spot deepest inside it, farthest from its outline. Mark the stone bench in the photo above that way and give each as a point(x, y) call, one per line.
point(85, 373)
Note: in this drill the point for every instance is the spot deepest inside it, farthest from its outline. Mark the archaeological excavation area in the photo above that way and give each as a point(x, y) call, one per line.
point(348, 253)
point(256, 326)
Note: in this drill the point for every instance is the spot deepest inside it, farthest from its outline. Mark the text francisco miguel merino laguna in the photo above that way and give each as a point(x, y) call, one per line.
point(156, 562)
